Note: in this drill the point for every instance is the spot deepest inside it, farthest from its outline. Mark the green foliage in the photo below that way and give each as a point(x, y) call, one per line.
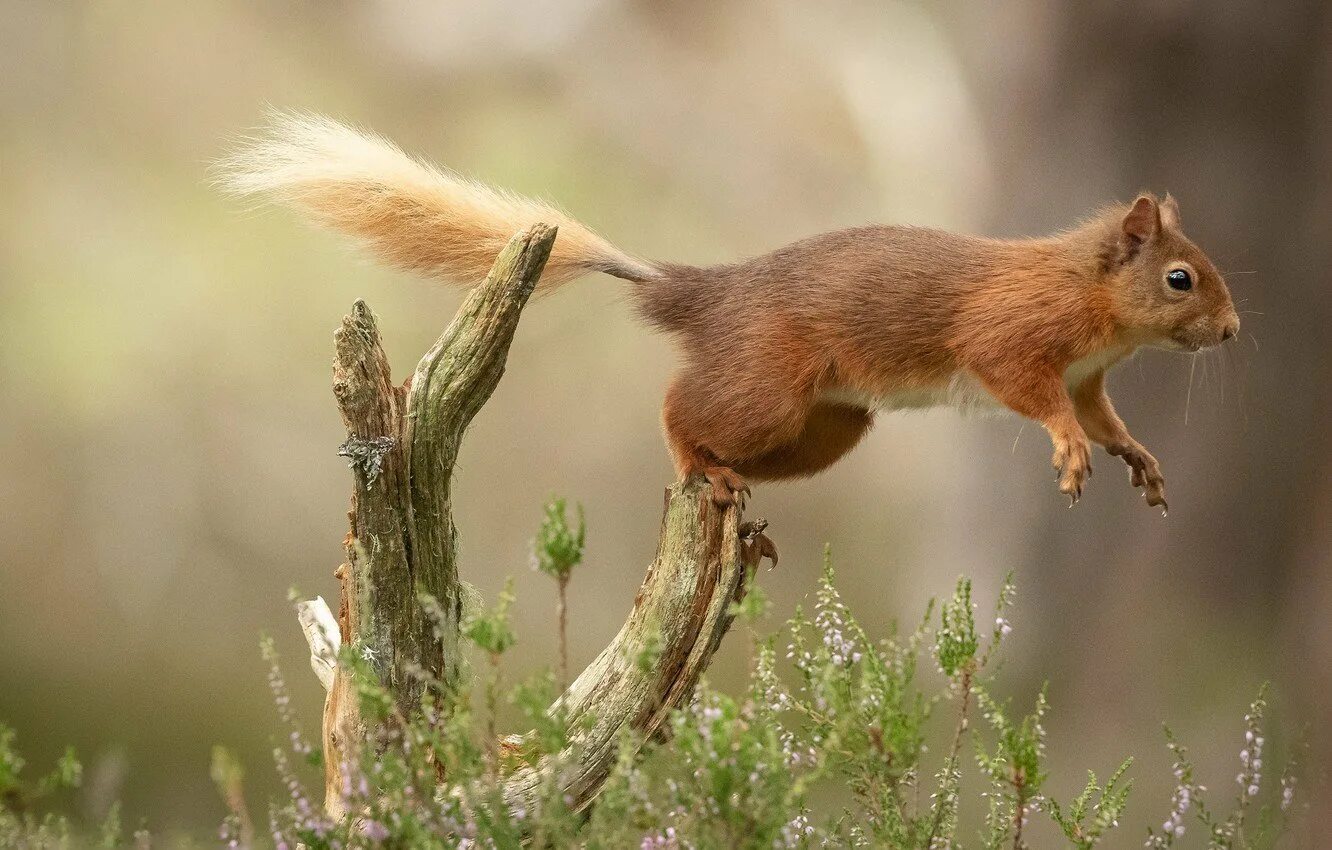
point(957, 642)
point(853, 713)
point(112, 833)
point(549, 732)
point(228, 776)
point(558, 548)
point(27, 818)
point(11, 765)
point(830, 745)
point(67, 774)
point(856, 713)
point(722, 782)
point(754, 605)
point(491, 630)
point(845, 714)
point(1102, 804)
point(1013, 768)
point(1257, 820)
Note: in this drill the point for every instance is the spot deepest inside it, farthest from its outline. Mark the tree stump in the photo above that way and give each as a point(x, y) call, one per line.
point(402, 442)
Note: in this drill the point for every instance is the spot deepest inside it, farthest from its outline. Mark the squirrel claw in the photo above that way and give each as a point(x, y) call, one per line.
point(1072, 463)
point(728, 488)
point(1144, 472)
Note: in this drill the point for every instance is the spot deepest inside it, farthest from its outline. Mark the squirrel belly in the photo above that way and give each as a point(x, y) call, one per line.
point(962, 390)
point(787, 356)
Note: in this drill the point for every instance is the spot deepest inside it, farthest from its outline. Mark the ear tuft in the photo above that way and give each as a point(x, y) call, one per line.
point(1143, 220)
point(1170, 212)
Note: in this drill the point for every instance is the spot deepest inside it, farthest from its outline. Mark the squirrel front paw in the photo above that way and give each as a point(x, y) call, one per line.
point(1144, 472)
point(1072, 462)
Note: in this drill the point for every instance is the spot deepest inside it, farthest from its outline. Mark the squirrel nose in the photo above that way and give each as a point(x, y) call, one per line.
point(1229, 331)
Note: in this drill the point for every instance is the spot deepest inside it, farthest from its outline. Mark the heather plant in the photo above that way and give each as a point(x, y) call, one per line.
point(847, 717)
point(841, 738)
point(22, 815)
point(556, 550)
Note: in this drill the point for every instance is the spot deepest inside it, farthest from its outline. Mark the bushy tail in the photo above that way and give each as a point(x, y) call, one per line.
point(411, 215)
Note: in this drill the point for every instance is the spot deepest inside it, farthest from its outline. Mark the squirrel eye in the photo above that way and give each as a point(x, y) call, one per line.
point(1179, 279)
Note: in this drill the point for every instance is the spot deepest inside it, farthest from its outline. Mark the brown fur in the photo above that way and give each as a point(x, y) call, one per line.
point(881, 311)
point(788, 355)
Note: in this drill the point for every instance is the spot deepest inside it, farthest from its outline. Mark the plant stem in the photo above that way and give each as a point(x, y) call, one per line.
point(951, 765)
point(1020, 810)
point(562, 610)
point(492, 702)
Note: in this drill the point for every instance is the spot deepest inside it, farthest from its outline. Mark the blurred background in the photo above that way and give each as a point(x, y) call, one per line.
point(168, 434)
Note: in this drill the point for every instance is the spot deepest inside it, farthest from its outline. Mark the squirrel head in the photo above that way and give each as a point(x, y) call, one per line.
point(1168, 293)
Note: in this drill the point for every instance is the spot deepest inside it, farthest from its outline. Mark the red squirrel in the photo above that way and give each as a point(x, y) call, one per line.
point(789, 356)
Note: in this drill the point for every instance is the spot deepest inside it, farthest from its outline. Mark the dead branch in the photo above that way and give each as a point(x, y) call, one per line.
point(402, 445)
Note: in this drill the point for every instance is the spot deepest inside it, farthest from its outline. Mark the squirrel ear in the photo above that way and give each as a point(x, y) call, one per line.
point(1170, 212)
point(1143, 220)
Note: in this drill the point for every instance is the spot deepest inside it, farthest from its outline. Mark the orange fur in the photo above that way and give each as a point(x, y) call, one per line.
point(411, 215)
point(788, 356)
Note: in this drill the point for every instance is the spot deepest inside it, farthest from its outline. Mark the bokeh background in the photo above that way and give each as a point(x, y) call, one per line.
point(168, 436)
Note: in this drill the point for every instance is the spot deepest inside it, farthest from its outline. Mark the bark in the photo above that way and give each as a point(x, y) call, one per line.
point(402, 444)
point(679, 616)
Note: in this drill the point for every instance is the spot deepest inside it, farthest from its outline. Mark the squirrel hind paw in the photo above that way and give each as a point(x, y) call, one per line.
point(728, 488)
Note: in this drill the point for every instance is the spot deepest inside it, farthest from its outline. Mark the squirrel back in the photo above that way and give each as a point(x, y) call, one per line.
point(432, 222)
point(905, 303)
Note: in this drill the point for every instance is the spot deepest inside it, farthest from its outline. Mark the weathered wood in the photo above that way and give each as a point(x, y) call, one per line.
point(682, 610)
point(403, 444)
point(323, 635)
point(451, 383)
point(376, 579)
